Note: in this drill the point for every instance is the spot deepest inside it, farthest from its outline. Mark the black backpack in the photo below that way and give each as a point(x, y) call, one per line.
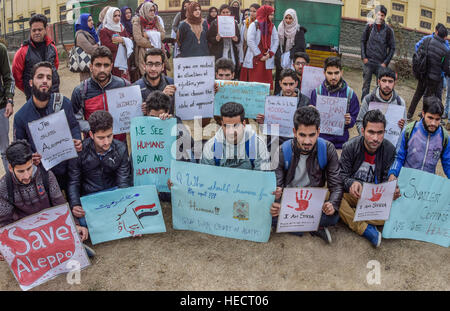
point(419, 60)
point(10, 186)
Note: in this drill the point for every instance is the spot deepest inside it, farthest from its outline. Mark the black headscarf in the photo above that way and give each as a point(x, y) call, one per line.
point(210, 18)
point(183, 11)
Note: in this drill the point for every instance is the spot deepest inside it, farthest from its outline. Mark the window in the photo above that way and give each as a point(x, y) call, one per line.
point(426, 13)
point(425, 25)
point(204, 2)
point(21, 24)
point(32, 13)
point(10, 26)
point(398, 7)
point(62, 13)
point(397, 19)
point(365, 13)
point(448, 19)
point(174, 3)
point(364, 2)
point(47, 14)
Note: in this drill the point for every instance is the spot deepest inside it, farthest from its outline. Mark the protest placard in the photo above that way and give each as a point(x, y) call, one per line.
point(151, 145)
point(53, 140)
point(393, 114)
point(124, 104)
point(312, 77)
point(251, 95)
point(123, 213)
point(301, 209)
point(222, 201)
point(194, 80)
point(279, 111)
point(375, 201)
point(422, 212)
point(332, 114)
point(226, 26)
point(41, 246)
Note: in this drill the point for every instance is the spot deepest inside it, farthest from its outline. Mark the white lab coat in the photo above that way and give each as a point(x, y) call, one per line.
point(253, 39)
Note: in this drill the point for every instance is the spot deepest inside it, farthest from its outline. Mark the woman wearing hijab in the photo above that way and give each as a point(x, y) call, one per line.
point(292, 40)
point(244, 29)
point(86, 38)
point(212, 15)
point(112, 35)
point(191, 37)
point(146, 27)
point(235, 7)
point(262, 40)
point(125, 19)
point(101, 18)
point(180, 17)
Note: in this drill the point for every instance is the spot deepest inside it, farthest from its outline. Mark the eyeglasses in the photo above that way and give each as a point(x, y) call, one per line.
point(301, 63)
point(157, 65)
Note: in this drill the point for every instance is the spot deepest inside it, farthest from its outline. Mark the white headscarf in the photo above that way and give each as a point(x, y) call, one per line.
point(288, 31)
point(108, 22)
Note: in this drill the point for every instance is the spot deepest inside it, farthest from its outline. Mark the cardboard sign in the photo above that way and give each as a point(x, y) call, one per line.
point(393, 114)
point(312, 77)
point(301, 209)
point(332, 114)
point(375, 201)
point(423, 210)
point(53, 140)
point(124, 104)
point(226, 26)
point(227, 202)
point(279, 111)
point(123, 213)
point(41, 246)
point(251, 95)
point(194, 79)
point(151, 145)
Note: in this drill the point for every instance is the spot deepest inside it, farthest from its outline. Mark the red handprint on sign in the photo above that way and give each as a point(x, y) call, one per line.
point(302, 201)
point(377, 193)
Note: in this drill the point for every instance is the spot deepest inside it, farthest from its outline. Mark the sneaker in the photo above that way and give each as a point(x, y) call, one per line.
point(373, 235)
point(296, 233)
point(90, 252)
point(323, 233)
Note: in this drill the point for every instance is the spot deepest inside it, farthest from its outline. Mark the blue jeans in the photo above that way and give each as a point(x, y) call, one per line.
point(82, 221)
point(447, 101)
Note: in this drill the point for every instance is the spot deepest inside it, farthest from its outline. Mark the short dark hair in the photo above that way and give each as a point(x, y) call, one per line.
point(157, 100)
point(374, 116)
point(386, 72)
point(288, 73)
point(101, 51)
point(306, 116)
point(39, 65)
point(303, 55)
point(332, 61)
point(155, 52)
point(433, 105)
point(381, 8)
point(255, 5)
point(100, 120)
point(224, 64)
point(231, 110)
point(223, 7)
point(38, 18)
point(442, 31)
point(19, 153)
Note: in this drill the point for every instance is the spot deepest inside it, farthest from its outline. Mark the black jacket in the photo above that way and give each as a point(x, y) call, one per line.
point(378, 46)
point(437, 59)
point(216, 48)
point(299, 46)
point(317, 177)
point(147, 89)
point(88, 174)
point(353, 156)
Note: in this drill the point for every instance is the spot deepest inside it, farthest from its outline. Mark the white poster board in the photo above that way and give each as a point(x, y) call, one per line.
point(53, 140)
point(279, 110)
point(124, 104)
point(332, 114)
point(393, 114)
point(226, 26)
point(194, 79)
point(154, 37)
point(376, 201)
point(301, 209)
point(312, 78)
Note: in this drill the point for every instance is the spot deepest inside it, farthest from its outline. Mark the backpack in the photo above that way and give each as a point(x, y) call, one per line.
point(419, 60)
point(10, 186)
point(58, 101)
point(250, 151)
point(286, 147)
point(349, 94)
point(410, 127)
point(373, 99)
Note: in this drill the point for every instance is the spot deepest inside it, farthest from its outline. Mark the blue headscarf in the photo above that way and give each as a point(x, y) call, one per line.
point(82, 24)
point(127, 23)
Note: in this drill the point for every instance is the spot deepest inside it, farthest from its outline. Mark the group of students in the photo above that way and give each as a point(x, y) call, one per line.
point(310, 159)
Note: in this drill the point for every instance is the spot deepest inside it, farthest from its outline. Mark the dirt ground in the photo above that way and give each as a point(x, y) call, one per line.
point(185, 260)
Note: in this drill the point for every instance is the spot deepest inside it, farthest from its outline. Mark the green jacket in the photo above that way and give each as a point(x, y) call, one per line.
point(7, 84)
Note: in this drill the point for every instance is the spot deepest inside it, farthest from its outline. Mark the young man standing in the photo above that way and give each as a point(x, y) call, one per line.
point(312, 162)
point(301, 59)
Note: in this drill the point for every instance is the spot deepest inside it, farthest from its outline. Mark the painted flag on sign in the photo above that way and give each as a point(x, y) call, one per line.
point(145, 210)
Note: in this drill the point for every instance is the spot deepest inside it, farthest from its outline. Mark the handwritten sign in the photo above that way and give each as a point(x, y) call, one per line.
point(332, 114)
point(151, 145)
point(41, 246)
point(222, 201)
point(422, 212)
point(301, 209)
point(123, 213)
point(226, 26)
point(312, 77)
point(375, 201)
point(251, 95)
point(124, 104)
point(280, 111)
point(53, 140)
point(393, 114)
point(194, 79)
